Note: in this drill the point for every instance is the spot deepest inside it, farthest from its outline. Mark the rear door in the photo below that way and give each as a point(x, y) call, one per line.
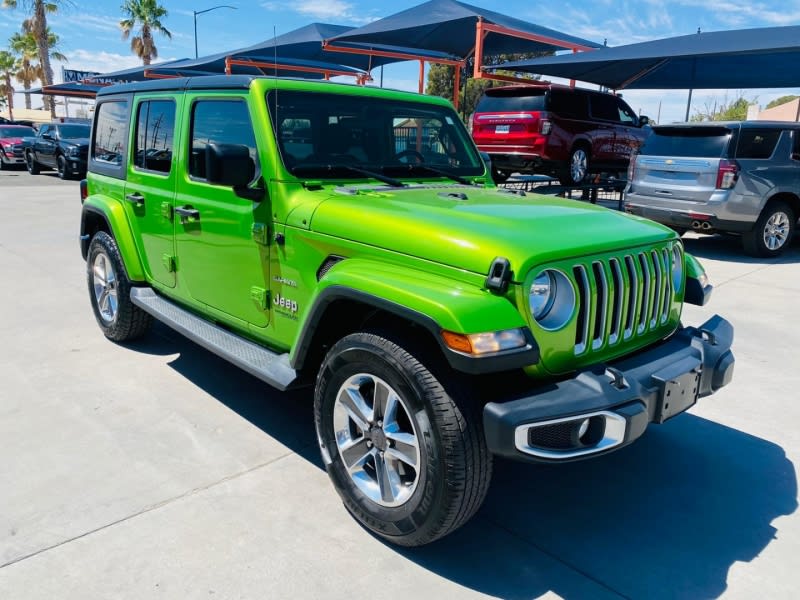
point(681, 163)
point(508, 120)
point(222, 258)
point(150, 183)
point(45, 145)
point(605, 114)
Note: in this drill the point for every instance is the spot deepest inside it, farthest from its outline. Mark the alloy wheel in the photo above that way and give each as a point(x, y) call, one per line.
point(776, 230)
point(104, 282)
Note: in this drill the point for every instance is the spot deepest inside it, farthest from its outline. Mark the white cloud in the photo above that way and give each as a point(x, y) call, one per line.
point(330, 11)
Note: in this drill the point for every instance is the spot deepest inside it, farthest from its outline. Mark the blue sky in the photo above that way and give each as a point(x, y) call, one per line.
point(91, 40)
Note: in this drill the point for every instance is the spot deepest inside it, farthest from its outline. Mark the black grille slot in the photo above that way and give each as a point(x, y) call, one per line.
point(558, 436)
point(617, 289)
point(327, 265)
point(582, 327)
point(601, 306)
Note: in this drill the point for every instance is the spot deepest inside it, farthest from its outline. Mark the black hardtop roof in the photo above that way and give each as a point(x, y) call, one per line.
point(543, 86)
point(204, 82)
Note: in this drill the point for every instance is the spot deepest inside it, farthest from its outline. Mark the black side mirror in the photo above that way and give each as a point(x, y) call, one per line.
point(644, 120)
point(229, 164)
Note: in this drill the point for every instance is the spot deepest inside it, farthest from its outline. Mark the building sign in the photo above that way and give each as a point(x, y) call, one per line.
point(69, 75)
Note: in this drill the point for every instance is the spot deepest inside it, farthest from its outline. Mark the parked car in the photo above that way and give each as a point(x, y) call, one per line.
point(737, 177)
point(60, 146)
point(349, 239)
point(556, 130)
point(11, 145)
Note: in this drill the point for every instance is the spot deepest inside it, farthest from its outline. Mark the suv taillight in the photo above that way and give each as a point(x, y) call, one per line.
point(546, 126)
point(726, 175)
point(632, 167)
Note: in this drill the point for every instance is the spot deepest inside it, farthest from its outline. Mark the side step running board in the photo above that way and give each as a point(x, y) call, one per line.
point(268, 366)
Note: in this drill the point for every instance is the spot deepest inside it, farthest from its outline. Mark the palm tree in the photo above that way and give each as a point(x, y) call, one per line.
point(7, 64)
point(147, 14)
point(23, 44)
point(38, 10)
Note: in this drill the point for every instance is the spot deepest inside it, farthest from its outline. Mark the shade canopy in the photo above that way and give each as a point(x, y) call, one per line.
point(767, 57)
point(448, 27)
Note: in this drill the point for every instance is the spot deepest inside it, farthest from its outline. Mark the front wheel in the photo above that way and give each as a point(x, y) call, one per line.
point(109, 292)
point(406, 455)
point(61, 167)
point(31, 164)
point(772, 232)
point(577, 168)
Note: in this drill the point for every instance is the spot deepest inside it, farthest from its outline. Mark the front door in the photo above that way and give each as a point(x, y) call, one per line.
point(220, 237)
point(150, 184)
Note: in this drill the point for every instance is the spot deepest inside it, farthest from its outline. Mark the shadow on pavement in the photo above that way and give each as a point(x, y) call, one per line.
point(729, 248)
point(663, 518)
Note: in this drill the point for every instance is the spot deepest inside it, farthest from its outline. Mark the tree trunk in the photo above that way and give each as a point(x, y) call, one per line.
point(27, 95)
point(147, 43)
point(10, 97)
point(40, 32)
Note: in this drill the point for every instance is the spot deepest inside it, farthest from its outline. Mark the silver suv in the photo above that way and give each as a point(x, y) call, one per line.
point(738, 177)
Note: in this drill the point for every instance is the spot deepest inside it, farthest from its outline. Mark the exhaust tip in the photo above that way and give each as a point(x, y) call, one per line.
point(706, 226)
point(696, 224)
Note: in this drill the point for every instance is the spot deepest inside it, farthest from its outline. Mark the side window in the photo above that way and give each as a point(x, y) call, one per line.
point(109, 132)
point(153, 143)
point(757, 143)
point(220, 122)
point(569, 104)
point(604, 107)
point(626, 115)
point(44, 129)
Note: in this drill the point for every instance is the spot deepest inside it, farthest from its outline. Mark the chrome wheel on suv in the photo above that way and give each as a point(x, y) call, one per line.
point(772, 232)
point(776, 231)
point(377, 440)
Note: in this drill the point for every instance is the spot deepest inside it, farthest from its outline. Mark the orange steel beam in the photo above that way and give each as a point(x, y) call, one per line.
point(326, 45)
point(456, 87)
point(512, 79)
point(76, 93)
point(230, 62)
point(148, 74)
point(421, 76)
point(482, 29)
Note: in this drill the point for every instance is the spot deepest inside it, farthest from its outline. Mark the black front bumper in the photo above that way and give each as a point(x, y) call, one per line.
point(608, 406)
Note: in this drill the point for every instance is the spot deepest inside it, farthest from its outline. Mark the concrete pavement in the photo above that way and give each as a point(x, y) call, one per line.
point(158, 470)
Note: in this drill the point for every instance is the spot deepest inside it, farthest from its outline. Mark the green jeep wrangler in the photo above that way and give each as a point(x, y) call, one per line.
point(351, 238)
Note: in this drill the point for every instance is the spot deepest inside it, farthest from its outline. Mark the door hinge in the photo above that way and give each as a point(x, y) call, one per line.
point(166, 210)
point(260, 296)
point(169, 262)
point(260, 233)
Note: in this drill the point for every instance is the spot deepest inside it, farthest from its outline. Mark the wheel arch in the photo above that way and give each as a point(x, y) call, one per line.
point(791, 199)
point(104, 214)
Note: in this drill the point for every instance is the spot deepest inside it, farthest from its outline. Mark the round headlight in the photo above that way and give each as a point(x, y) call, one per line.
point(542, 294)
point(677, 267)
point(552, 299)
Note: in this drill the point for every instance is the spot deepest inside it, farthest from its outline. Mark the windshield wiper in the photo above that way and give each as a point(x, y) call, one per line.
point(333, 167)
point(437, 171)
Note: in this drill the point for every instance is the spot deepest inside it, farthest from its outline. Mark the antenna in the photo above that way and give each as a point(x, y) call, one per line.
point(277, 120)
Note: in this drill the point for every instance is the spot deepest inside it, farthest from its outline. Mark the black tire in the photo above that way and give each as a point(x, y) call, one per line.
point(124, 321)
point(500, 176)
point(31, 164)
point(454, 463)
point(61, 167)
point(773, 231)
point(577, 167)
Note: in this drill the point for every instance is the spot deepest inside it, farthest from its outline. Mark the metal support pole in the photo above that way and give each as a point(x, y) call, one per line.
point(194, 13)
point(421, 76)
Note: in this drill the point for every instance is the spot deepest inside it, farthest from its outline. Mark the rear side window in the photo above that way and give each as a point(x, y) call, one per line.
point(709, 142)
point(221, 122)
point(512, 101)
point(604, 107)
point(153, 142)
point(109, 133)
point(757, 143)
point(570, 105)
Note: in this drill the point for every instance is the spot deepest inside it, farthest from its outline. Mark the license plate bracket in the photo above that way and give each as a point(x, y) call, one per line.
point(678, 389)
point(502, 128)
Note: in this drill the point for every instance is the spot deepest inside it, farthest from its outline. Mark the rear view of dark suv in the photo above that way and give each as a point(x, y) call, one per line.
point(556, 130)
point(734, 177)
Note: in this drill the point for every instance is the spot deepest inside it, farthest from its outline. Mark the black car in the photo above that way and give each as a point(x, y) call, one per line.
point(60, 146)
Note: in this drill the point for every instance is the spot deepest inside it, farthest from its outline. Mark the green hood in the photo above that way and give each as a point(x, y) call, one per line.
point(469, 234)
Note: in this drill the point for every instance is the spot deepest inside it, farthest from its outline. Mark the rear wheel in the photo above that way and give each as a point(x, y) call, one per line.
point(577, 168)
point(109, 292)
point(406, 455)
point(772, 232)
point(31, 164)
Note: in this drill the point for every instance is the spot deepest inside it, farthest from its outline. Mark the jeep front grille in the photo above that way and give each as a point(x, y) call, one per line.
point(622, 297)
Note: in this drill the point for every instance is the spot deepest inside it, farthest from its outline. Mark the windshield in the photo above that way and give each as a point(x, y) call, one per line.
point(321, 135)
point(16, 131)
point(74, 131)
point(512, 100)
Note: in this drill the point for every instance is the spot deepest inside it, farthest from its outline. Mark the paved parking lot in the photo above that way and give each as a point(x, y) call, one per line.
point(159, 470)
